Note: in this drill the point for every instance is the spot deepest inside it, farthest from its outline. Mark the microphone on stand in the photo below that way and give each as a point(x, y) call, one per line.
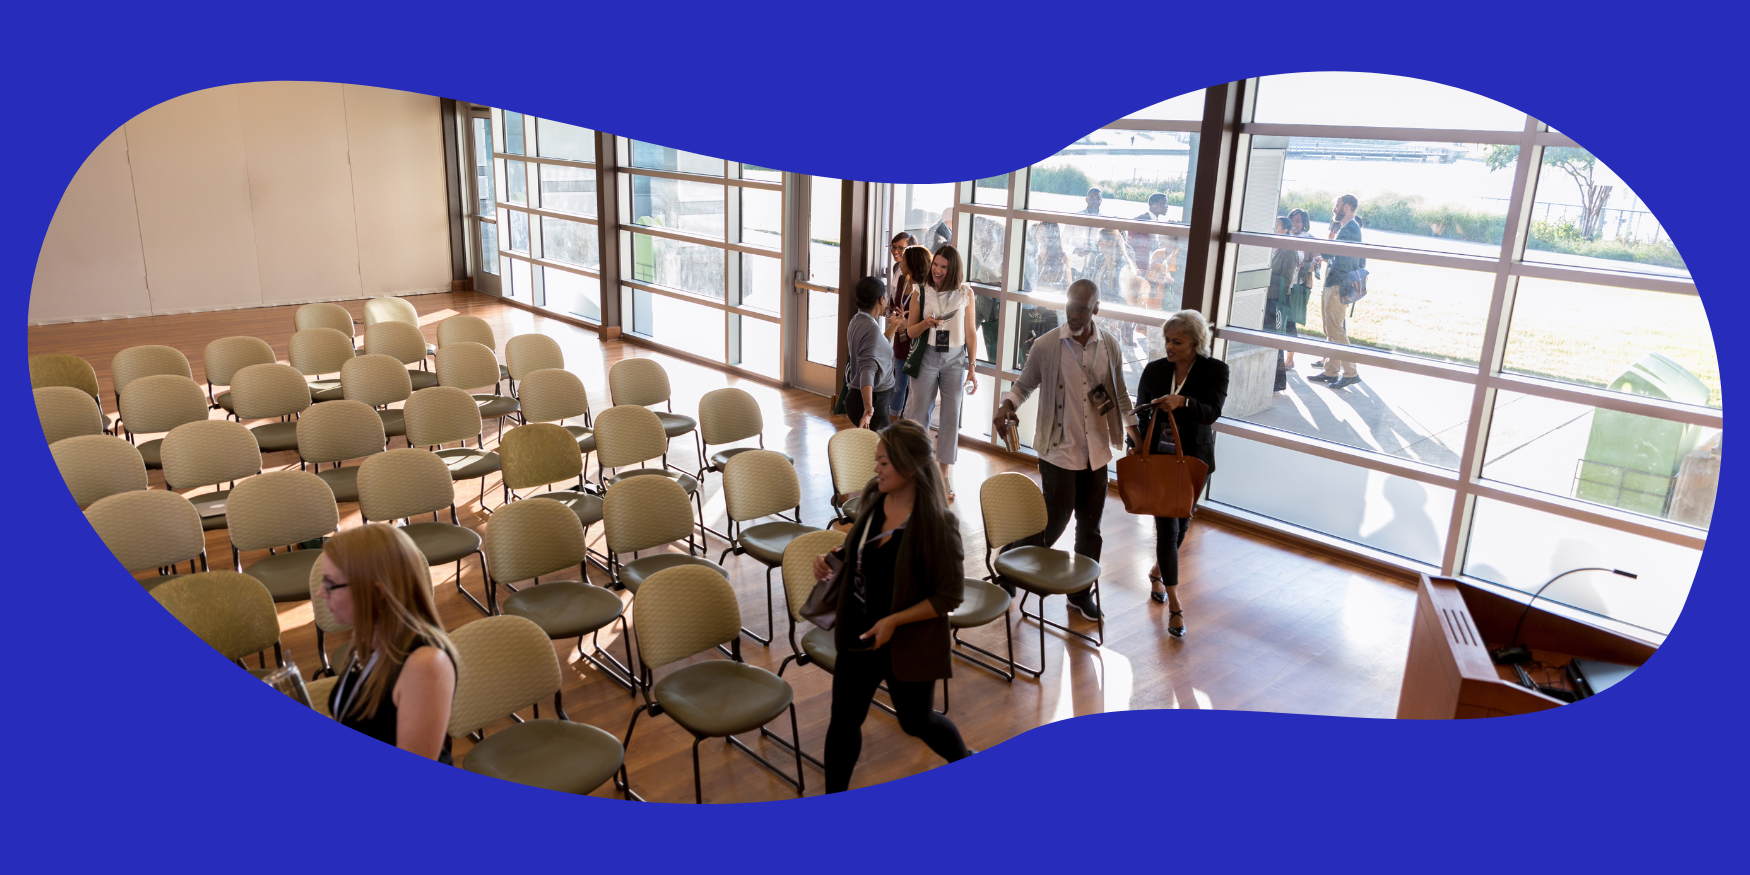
point(1513, 654)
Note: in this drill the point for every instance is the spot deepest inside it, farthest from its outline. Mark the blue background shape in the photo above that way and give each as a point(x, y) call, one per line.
point(133, 743)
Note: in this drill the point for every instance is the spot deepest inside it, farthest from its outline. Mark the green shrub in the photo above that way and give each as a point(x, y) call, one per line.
point(1141, 189)
point(1564, 236)
point(1059, 179)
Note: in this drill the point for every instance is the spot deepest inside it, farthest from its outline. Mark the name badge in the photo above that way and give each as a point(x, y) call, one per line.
point(1100, 400)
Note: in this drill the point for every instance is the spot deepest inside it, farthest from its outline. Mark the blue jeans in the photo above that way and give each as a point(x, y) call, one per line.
point(901, 383)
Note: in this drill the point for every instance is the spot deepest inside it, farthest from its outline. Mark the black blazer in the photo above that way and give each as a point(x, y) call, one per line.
point(920, 651)
point(1205, 392)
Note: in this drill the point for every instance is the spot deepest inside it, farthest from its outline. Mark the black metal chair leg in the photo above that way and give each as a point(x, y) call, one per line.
point(698, 786)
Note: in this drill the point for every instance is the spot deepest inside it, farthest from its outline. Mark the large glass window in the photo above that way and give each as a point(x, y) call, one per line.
point(1624, 340)
point(1117, 173)
point(1379, 101)
point(567, 189)
point(1586, 216)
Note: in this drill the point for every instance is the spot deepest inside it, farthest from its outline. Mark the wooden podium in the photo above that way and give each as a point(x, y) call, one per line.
point(1449, 673)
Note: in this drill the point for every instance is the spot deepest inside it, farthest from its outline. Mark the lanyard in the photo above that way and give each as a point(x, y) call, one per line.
point(1088, 366)
point(859, 586)
point(352, 689)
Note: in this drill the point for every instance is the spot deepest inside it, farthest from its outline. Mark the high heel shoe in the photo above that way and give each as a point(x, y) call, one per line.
point(1159, 597)
point(1179, 630)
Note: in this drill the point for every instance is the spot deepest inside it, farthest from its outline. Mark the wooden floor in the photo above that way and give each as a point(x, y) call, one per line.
point(1271, 627)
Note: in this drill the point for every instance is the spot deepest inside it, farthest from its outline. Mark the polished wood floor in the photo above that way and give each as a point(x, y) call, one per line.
point(1272, 627)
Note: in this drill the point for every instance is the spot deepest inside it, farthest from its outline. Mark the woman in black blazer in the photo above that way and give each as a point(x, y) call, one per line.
point(1192, 387)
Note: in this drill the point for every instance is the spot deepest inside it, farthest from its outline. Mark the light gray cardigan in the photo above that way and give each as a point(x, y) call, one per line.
point(1044, 371)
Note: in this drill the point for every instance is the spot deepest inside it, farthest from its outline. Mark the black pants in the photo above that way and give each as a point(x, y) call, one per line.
point(1169, 534)
point(1275, 320)
point(854, 680)
point(854, 408)
point(1082, 493)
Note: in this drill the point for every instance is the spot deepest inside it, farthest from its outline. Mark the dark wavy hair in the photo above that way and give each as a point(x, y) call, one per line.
point(956, 275)
point(917, 264)
point(911, 452)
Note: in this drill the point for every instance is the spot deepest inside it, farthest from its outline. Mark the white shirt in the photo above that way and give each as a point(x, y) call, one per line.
point(1085, 445)
point(936, 303)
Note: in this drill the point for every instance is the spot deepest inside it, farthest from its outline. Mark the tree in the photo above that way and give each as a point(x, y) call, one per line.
point(1578, 164)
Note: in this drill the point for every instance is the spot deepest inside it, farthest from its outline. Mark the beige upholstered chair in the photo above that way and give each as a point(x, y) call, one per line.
point(554, 395)
point(726, 416)
point(981, 605)
point(65, 412)
point(468, 365)
point(689, 610)
point(98, 466)
point(224, 358)
point(268, 392)
point(762, 483)
point(403, 484)
point(318, 351)
point(152, 528)
point(390, 309)
point(508, 664)
point(406, 344)
point(851, 455)
point(146, 361)
point(157, 404)
point(277, 510)
point(644, 513)
point(208, 453)
point(525, 354)
point(628, 435)
point(1014, 509)
point(641, 382)
point(444, 414)
point(817, 645)
point(538, 536)
point(541, 454)
point(233, 613)
point(60, 369)
point(335, 432)
point(466, 329)
point(326, 625)
point(325, 315)
point(379, 380)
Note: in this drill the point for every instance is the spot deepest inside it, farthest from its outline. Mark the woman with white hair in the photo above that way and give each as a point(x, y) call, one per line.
point(1191, 387)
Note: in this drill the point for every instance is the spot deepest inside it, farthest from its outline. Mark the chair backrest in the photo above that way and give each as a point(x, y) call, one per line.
point(280, 508)
point(230, 611)
point(551, 394)
point(66, 412)
point(320, 351)
point(507, 664)
point(682, 611)
point(60, 369)
point(627, 435)
point(209, 452)
point(851, 455)
point(228, 355)
point(159, 403)
point(324, 315)
point(339, 430)
point(151, 528)
point(404, 483)
point(729, 415)
point(465, 364)
point(268, 391)
point(441, 414)
point(799, 567)
point(638, 382)
point(759, 483)
point(466, 329)
point(147, 361)
point(319, 604)
point(98, 466)
point(390, 310)
point(537, 454)
point(639, 513)
point(526, 353)
point(1013, 508)
point(406, 343)
point(532, 537)
point(375, 379)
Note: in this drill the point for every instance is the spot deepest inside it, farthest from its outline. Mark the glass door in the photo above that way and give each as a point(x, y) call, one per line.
point(483, 202)
point(815, 272)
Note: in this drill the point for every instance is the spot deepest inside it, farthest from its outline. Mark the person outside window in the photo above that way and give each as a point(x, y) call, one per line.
point(1336, 323)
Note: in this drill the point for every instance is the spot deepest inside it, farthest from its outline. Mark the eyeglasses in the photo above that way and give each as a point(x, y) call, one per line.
point(329, 586)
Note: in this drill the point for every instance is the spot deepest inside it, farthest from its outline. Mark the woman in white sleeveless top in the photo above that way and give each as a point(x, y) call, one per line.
point(941, 319)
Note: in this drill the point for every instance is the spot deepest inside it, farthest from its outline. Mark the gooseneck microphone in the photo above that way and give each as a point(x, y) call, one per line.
point(1513, 654)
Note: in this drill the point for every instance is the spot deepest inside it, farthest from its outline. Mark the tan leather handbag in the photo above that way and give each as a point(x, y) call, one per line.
point(1154, 484)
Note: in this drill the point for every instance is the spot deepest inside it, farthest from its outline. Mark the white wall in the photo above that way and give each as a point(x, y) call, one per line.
point(249, 195)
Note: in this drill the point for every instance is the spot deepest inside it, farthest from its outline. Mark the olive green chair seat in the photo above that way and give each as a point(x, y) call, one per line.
point(822, 647)
point(588, 507)
point(467, 463)
point(343, 480)
point(286, 575)
point(675, 424)
point(634, 573)
point(225, 404)
point(443, 542)
point(152, 453)
point(722, 457)
point(564, 608)
point(394, 422)
point(550, 754)
point(276, 437)
point(719, 698)
point(766, 541)
point(326, 390)
point(422, 379)
point(687, 481)
point(152, 583)
point(585, 438)
point(494, 406)
point(981, 603)
point(1046, 571)
point(211, 506)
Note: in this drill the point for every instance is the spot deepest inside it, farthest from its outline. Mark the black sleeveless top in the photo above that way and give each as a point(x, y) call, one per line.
point(382, 725)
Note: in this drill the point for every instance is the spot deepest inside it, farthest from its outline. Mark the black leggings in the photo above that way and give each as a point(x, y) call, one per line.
point(854, 408)
point(1169, 534)
point(854, 680)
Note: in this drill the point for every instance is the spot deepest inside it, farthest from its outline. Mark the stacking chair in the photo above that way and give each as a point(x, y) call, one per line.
point(208, 453)
point(554, 395)
point(632, 436)
point(66, 412)
point(404, 343)
point(851, 456)
point(1014, 509)
point(325, 315)
point(379, 380)
point(224, 358)
point(281, 509)
point(541, 454)
point(318, 351)
point(441, 415)
point(335, 432)
point(60, 369)
point(470, 329)
point(157, 404)
point(982, 604)
point(540, 536)
point(403, 484)
point(468, 365)
point(507, 664)
point(757, 484)
point(268, 391)
point(525, 354)
point(643, 382)
point(391, 309)
point(151, 528)
point(231, 612)
point(726, 416)
point(643, 513)
point(817, 646)
point(326, 625)
point(684, 611)
point(98, 466)
point(146, 361)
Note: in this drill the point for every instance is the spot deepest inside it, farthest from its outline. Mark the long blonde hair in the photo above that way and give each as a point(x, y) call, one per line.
point(393, 609)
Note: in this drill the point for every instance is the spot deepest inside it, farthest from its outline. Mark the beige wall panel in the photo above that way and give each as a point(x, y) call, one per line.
point(300, 190)
point(91, 266)
point(397, 147)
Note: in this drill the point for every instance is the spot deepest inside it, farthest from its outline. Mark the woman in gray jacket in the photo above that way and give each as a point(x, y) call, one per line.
point(869, 367)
